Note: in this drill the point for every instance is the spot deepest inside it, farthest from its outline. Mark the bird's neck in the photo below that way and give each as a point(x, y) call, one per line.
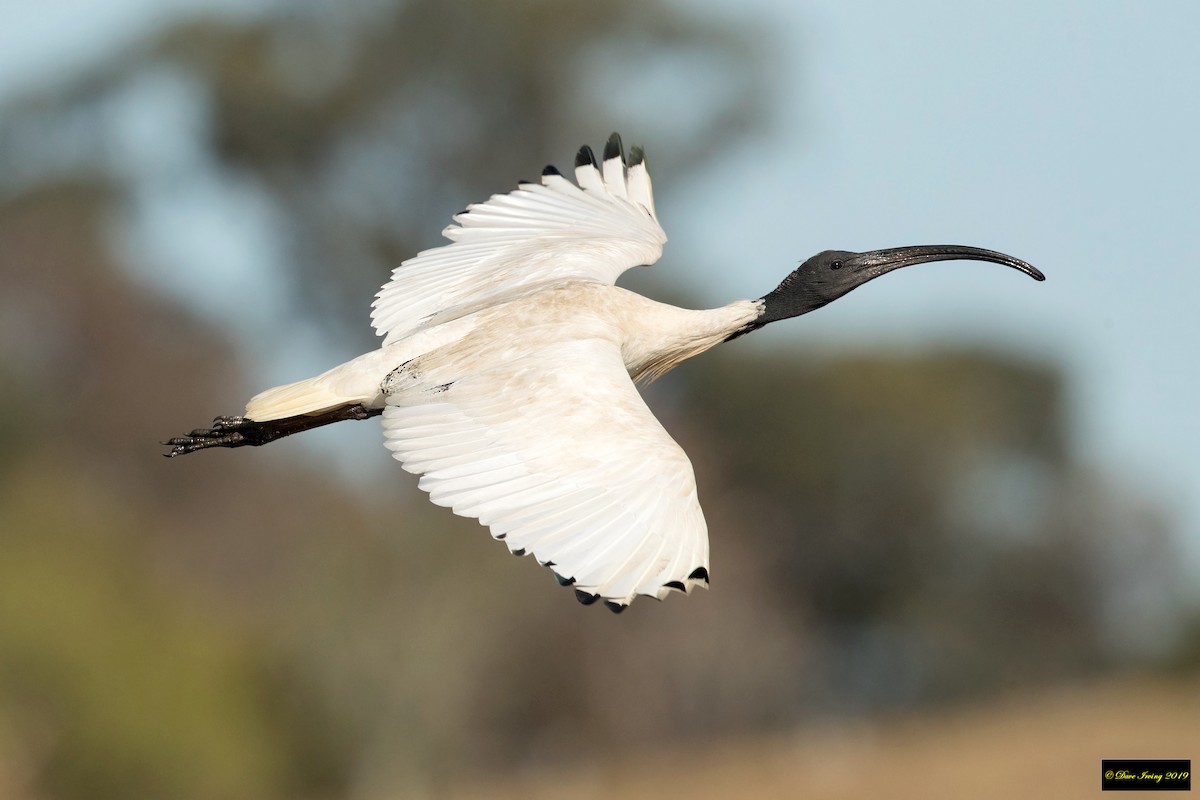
point(784, 302)
point(667, 336)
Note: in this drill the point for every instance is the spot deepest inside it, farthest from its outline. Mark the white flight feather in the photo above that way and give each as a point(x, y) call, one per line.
point(537, 233)
point(588, 478)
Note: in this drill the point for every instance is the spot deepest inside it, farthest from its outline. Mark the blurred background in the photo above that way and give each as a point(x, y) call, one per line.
point(955, 521)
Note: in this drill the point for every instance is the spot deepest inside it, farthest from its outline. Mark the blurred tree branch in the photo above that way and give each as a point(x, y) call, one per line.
point(366, 126)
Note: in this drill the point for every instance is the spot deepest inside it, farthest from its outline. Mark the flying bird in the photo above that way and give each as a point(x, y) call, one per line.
point(506, 376)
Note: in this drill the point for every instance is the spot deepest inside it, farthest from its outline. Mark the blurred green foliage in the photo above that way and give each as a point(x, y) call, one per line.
point(114, 684)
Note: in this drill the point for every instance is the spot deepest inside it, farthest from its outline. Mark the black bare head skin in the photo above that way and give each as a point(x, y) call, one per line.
point(830, 274)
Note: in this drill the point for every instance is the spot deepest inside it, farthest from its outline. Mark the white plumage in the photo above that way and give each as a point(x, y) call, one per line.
point(505, 378)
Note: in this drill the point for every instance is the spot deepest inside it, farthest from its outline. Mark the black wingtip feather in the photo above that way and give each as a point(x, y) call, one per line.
point(699, 574)
point(585, 156)
point(563, 581)
point(551, 170)
point(616, 608)
point(587, 598)
point(613, 148)
point(676, 585)
point(636, 156)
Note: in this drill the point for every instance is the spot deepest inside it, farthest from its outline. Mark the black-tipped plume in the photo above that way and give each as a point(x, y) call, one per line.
point(585, 156)
point(613, 148)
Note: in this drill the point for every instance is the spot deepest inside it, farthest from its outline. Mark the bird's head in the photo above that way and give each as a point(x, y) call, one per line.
point(832, 273)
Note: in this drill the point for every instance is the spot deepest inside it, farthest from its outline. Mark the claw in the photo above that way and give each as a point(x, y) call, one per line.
point(225, 432)
point(239, 431)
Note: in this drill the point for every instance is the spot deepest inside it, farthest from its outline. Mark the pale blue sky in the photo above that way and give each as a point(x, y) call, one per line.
point(1061, 132)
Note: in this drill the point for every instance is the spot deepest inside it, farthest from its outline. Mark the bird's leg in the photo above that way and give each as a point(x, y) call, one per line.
point(240, 431)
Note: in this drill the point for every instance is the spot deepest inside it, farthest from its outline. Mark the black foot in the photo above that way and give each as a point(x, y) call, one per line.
point(239, 431)
point(225, 432)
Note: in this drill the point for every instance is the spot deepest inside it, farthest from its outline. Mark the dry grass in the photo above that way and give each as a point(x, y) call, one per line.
point(1048, 745)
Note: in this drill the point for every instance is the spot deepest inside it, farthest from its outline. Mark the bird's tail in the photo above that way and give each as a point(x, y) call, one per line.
point(309, 396)
point(355, 383)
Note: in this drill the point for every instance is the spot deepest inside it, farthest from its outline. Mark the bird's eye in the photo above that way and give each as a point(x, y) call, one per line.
point(836, 265)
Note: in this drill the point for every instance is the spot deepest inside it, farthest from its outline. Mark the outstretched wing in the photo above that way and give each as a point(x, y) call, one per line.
point(557, 453)
point(543, 232)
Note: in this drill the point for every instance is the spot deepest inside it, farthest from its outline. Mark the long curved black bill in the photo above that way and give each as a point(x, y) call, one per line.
point(874, 263)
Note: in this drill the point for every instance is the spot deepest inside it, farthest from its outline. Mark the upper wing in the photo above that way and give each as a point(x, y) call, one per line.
point(554, 230)
point(557, 453)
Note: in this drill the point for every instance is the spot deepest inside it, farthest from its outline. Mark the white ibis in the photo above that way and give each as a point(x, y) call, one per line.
point(506, 376)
